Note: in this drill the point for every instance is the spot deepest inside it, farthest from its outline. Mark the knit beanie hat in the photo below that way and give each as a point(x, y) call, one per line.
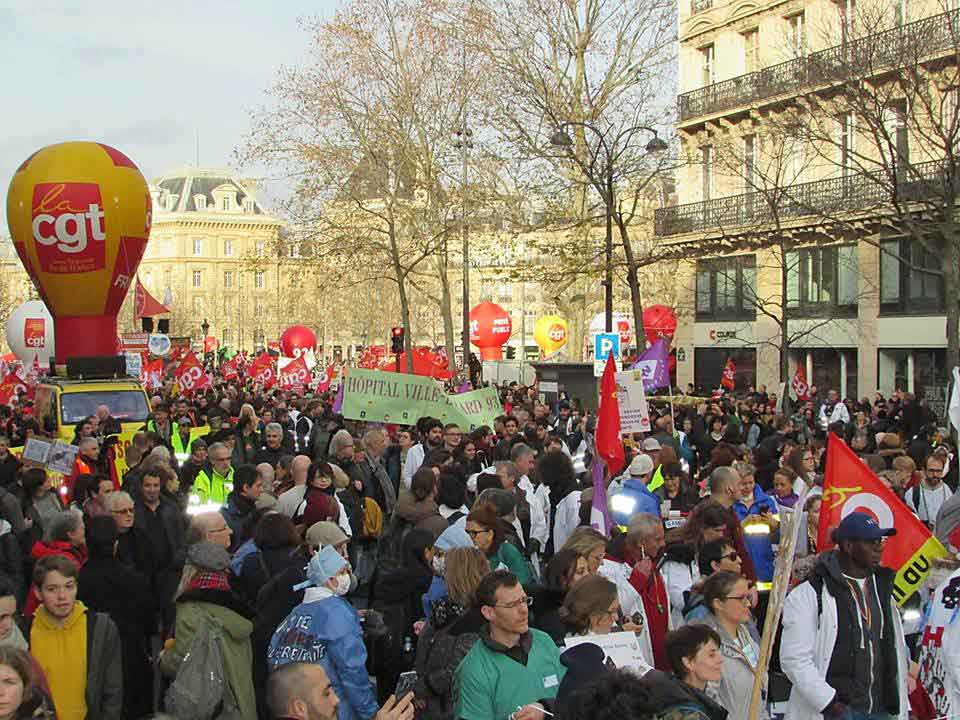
point(453, 537)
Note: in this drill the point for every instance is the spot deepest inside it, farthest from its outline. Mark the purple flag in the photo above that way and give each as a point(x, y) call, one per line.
point(654, 363)
point(600, 518)
point(464, 387)
point(338, 400)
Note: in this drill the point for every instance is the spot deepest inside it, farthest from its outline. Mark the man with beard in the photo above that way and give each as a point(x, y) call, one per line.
point(431, 432)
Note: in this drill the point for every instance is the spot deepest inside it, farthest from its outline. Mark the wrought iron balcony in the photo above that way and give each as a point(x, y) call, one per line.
point(699, 6)
point(822, 198)
point(851, 59)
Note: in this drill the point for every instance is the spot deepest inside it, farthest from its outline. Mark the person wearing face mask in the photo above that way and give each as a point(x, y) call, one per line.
point(453, 537)
point(325, 630)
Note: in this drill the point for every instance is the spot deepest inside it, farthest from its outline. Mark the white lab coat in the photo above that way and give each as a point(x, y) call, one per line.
point(415, 457)
point(679, 578)
point(538, 511)
point(807, 646)
point(567, 519)
point(839, 413)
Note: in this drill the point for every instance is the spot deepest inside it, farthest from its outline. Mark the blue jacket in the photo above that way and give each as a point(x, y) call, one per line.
point(327, 632)
point(760, 547)
point(644, 502)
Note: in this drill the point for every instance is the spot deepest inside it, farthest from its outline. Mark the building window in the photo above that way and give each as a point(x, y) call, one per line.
point(200, 201)
point(709, 362)
point(846, 142)
point(505, 292)
point(848, 11)
point(822, 280)
point(198, 305)
point(258, 337)
point(225, 204)
point(197, 278)
point(749, 163)
point(900, 12)
point(726, 288)
point(895, 125)
point(228, 248)
point(905, 287)
point(259, 248)
point(706, 172)
point(248, 206)
point(797, 34)
point(226, 335)
point(258, 309)
point(198, 246)
point(751, 50)
point(707, 65)
point(949, 104)
point(258, 279)
point(228, 278)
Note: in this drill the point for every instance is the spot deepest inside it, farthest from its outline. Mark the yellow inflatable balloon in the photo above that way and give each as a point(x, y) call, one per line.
point(550, 333)
point(79, 214)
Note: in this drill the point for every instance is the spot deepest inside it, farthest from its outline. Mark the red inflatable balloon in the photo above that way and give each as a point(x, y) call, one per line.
point(297, 340)
point(490, 328)
point(659, 321)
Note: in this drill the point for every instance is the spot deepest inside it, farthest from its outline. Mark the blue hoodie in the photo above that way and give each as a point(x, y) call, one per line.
point(327, 632)
point(760, 547)
point(644, 501)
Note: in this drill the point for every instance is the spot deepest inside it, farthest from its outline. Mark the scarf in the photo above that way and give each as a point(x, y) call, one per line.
point(210, 580)
point(15, 639)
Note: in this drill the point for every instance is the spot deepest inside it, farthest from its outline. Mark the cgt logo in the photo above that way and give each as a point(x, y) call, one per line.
point(557, 332)
point(34, 333)
point(69, 227)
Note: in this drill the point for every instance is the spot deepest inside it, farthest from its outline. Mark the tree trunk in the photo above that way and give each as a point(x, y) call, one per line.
point(951, 291)
point(401, 277)
point(446, 310)
point(635, 303)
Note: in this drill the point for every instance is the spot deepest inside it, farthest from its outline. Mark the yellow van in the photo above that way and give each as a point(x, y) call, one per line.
point(61, 403)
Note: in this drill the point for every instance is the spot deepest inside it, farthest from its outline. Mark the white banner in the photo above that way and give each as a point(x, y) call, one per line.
point(634, 415)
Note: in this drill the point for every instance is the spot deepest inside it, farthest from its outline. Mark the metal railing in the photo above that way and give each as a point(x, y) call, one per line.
point(822, 198)
point(699, 6)
point(890, 48)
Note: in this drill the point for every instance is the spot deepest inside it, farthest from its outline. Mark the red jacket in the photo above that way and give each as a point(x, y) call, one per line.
point(43, 549)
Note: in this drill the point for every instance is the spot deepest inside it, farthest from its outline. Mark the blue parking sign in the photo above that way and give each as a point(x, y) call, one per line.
point(603, 345)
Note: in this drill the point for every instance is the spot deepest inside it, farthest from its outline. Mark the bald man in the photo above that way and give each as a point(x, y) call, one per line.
point(291, 499)
point(266, 474)
point(210, 527)
point(302, 691)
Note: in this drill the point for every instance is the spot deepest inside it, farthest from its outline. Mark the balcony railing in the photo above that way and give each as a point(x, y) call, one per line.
point(821, 198)
point(699, 6)
point(890, 48)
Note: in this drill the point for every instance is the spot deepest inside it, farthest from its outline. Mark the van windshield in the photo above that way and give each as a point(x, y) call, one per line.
point(124, 405)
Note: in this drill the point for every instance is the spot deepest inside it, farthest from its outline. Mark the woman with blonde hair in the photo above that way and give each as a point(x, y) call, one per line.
point(441, 649)
point(588, 544)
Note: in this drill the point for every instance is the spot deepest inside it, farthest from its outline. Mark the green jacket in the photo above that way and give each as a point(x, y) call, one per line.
point(512, 559)
point(196, 608)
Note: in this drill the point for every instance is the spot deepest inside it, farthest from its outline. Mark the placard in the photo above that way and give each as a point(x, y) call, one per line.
point(621, 648)
point(632, 401)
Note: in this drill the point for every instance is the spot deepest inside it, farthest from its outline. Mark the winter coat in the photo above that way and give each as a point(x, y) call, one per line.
point(760, 546)
point(630, 601)
point(940, 649)
point(199, 608)
point(245, 449)
point(240, 513)
point(436, 669)
point(317, 505)
point(420, 513)
point(260, 566)
point(134, 612)
point(672, 699)
point(810, 630)
point(175, 524)
point(270, 455)
point(643, 501)
point(546, 612)
point(736, 682)
point(327, 632)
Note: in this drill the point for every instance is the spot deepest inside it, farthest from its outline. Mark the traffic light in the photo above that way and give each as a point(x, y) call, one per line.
point(396, 340)
point(511, 352)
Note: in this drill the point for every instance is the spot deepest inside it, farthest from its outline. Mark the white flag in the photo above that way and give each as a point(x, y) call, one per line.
point(954, 410)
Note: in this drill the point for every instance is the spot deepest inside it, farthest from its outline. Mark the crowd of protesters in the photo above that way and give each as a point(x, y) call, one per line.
point(287, 563)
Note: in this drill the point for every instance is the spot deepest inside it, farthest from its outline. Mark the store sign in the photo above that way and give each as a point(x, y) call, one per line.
point(723, 334)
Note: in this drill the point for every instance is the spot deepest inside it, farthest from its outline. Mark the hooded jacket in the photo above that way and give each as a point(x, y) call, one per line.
point(760, 546)
point(736, 682)
point(437, 664)
point(200, 607)
point(811, 629)
point(680, 572)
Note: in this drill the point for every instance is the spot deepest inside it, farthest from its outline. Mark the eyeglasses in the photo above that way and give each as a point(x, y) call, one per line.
point(528, 601)
point(474, 533)
point(745, 599)
point(223, 529)
point(123, 511)
point(935, 471)
point(732, 556)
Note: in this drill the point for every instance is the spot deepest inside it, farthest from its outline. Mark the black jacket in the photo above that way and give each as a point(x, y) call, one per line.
point(174, 524)
point(270, 455)
point(546, 613)
point(107, 586)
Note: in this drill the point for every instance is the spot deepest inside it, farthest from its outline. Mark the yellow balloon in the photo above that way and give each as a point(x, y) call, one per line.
point(551, 333)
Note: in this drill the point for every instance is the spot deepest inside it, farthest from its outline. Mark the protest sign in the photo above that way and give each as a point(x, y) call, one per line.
point(621, 648)
point(397, 398)
point(58, 456)
point(634, 414)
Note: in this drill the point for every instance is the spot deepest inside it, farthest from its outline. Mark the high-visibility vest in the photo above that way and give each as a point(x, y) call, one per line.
point(207, 489)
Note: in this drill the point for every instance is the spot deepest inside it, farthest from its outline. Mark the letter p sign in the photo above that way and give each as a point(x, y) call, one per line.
point(603, 345)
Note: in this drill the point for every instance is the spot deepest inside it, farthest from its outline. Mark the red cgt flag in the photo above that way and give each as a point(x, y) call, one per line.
point(799, 384)
point(9, 387)
point(262, 371)
point(145, 304)
point(190, 375)
point(295, 375)
point(729, 377)
point(151, 374)
point(850, 486)
point(230, 370)
point(609, 444)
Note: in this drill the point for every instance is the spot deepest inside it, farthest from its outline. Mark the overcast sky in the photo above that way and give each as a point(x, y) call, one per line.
point(142, 75)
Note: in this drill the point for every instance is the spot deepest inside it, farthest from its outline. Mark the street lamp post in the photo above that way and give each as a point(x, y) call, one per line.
point(562, 140)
